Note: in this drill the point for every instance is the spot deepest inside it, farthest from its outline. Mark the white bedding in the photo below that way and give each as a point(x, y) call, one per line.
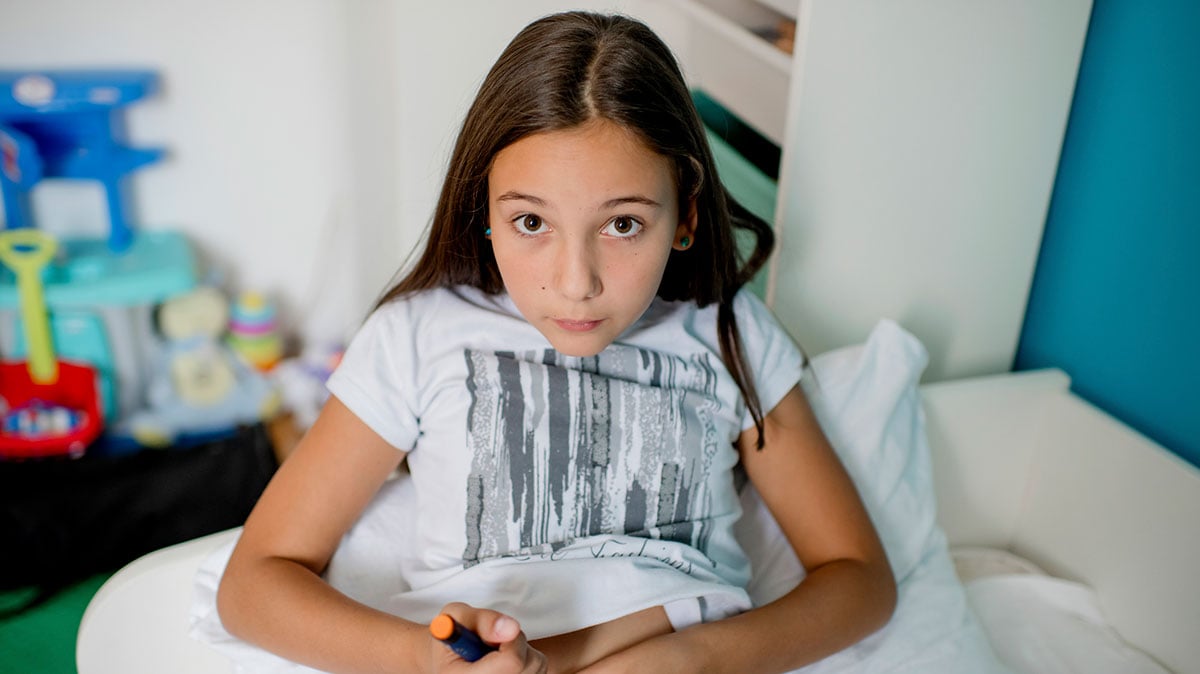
point(1038, 624)
point(867, 400)
point(1044, 625)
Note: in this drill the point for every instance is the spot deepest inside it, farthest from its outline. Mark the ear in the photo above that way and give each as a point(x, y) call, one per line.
point(685, 233)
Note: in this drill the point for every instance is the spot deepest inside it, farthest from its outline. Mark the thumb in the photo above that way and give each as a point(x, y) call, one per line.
point(500, 629)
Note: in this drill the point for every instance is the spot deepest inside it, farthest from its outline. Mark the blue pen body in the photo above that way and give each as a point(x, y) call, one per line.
point(465, 643)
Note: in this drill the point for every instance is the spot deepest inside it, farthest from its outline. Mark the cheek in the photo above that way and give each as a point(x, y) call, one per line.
point(518, 269)
point(638, 271)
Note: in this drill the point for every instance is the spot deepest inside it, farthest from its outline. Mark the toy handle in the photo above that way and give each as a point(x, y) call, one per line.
point(26, 252)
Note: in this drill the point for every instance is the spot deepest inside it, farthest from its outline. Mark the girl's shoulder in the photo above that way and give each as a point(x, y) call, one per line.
point(446, 316)
point(682, 323)
point(753, 313)
point(748, 308)
point(437, 302)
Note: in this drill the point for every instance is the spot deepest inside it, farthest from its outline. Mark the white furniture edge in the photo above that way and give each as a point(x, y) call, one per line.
point(137, 622)
point(1023, 464)
point(1020, 463)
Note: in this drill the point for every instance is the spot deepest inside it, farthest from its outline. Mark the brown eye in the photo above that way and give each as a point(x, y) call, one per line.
point(623, 227)
point(529, 224)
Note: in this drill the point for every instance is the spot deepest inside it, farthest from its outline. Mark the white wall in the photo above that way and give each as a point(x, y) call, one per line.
point(253, 112)
point(307, 138)
point(922, 149)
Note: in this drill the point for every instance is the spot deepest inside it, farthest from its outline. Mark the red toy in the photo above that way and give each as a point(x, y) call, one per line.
point(75, 390)
point(49, 407)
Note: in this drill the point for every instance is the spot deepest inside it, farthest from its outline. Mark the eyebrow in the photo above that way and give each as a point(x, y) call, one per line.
point(611, 203)
point(631, 199)
point(517, 196)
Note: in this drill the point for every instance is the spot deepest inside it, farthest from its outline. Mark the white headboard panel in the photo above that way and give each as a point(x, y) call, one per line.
point(920, 152)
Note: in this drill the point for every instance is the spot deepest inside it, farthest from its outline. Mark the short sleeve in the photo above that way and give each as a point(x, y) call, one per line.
point(376, 378)
point(776, 362)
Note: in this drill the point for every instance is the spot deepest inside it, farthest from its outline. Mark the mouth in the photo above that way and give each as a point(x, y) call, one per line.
point(577, 326)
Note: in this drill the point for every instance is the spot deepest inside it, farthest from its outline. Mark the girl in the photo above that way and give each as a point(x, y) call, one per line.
point(571, 373)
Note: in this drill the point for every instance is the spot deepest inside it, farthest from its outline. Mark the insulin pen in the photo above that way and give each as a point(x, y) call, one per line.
point(461, 640)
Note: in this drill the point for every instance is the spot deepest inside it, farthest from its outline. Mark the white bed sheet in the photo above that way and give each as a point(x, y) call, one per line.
point(1038, 624)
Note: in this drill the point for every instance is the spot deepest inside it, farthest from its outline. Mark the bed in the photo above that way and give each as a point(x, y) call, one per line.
point(1028, 477)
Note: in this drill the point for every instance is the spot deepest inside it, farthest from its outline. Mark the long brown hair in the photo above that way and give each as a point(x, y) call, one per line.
point(557, 73)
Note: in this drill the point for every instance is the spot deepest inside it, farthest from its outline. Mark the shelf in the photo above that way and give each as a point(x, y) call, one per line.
point(788, 8)
point(727, 59)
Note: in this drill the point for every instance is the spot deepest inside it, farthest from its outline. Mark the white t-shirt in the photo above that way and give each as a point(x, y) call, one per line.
point(564, 491)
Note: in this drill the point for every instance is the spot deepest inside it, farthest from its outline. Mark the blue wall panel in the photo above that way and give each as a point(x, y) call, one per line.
point(1116, 296)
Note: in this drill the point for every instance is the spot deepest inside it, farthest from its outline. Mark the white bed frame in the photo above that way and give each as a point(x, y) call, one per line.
point(1023, 464)
point(1020, 463)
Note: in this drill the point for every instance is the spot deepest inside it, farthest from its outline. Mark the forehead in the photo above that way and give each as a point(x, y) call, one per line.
point(599, 158)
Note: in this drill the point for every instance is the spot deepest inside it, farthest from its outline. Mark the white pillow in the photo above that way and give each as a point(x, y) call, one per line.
point(867, 401)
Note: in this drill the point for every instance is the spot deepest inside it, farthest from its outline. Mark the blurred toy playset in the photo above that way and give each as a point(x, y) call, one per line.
point(109, 344)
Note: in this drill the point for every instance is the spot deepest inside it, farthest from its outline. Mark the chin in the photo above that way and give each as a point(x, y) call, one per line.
point(578, 350)
point(578, 346)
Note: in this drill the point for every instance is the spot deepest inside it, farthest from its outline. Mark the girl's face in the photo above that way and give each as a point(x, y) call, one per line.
point(582, 222)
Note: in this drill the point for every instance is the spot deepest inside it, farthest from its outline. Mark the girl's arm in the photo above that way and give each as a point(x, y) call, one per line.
point(848, 593)
point(272, 593)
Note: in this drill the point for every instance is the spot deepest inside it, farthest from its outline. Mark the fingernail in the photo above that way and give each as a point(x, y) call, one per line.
point(505, 627)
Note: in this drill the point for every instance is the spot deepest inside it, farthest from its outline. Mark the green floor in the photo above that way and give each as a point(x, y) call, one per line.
point(42, 639)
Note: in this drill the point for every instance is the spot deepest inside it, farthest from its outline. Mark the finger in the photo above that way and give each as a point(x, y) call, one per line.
point(499, 628)
point(493, 627)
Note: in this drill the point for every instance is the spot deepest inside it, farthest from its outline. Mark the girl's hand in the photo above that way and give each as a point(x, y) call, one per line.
point(514, 654)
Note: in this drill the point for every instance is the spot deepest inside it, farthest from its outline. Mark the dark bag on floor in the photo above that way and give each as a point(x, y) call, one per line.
point(64, 520)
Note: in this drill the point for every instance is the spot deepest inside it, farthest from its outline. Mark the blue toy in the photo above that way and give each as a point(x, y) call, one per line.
point(199, 385)
point(102, 296)
point(100, 293)
point(66, 124)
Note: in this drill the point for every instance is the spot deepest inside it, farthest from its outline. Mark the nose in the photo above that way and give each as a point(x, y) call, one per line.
point(578, 271)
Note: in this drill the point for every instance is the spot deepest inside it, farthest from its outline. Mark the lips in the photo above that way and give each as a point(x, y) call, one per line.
point(577, 326)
